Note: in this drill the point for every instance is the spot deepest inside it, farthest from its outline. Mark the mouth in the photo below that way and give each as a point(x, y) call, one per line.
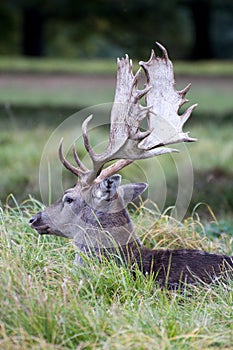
point(41, 229)
point(45, 229)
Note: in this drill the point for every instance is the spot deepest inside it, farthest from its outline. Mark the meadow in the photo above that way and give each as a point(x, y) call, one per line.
point(47, 303)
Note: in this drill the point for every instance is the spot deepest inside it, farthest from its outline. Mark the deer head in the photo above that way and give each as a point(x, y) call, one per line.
point(93, 212)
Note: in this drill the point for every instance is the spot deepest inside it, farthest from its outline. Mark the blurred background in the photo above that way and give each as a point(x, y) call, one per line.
point(192, 29)
point(59, 56)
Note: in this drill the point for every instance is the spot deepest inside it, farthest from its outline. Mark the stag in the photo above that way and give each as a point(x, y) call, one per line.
point(94, 212)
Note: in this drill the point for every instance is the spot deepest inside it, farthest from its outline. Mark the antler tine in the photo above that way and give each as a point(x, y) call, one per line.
point(98, 160)
point(184, 91)
point(87, 145)
point(184, 117)
point(113, 169)
point(78, 161)
point(76, 171)
point(164, 51)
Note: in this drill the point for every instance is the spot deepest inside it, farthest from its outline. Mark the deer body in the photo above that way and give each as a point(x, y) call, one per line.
point(104, 232)
point(93, 213)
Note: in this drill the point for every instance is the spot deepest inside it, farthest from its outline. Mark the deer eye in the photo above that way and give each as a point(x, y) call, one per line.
point(68, 200)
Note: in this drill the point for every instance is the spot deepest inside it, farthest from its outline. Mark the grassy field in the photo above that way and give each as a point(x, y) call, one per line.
point(47, 303)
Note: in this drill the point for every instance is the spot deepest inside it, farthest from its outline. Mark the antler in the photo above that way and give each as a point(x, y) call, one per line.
point(126, 141)
point(164, 122)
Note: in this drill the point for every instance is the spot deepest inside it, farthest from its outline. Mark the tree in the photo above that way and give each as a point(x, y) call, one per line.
point(203, 13)
point(133, 25)
point(32, 31)
point(185, 26)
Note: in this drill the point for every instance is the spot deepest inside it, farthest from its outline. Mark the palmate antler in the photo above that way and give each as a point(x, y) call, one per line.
point(127, 142)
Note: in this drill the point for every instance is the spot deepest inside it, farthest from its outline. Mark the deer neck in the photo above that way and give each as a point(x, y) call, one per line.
point(106, 230)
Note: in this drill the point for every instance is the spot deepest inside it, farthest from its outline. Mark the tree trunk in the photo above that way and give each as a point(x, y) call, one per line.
point(32, 32)
point(201, 14)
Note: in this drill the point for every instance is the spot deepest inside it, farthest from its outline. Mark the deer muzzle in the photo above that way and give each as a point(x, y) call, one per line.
point(39, 224)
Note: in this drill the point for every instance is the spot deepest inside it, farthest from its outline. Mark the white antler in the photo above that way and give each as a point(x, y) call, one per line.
point(164, 121)
point(126, 141)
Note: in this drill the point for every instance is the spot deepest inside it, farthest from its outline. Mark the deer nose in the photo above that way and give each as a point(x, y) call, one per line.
point(35, 218)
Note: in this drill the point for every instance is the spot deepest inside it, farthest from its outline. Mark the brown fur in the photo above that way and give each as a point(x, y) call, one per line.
point(89, 227)
point(175, 268)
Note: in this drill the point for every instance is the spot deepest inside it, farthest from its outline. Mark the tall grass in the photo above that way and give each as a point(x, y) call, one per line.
point(47, 303)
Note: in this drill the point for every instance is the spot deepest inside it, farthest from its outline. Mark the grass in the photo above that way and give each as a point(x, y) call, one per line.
point(58, 97)
point(205, 68)
point(104, 66)
point(214, 96)
point(47, 303)
point(55, 65)
point(211, 102)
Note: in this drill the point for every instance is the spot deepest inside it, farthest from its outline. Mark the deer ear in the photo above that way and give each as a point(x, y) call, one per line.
point(108, 186)
point(132, 191)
